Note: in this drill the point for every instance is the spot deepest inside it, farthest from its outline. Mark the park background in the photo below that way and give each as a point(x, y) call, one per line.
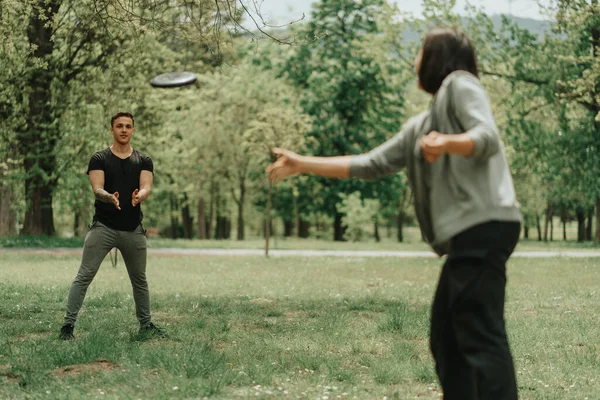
point(325, 78)
point(338, 81)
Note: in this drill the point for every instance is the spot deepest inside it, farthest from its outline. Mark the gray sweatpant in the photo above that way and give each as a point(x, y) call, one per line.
point(98, 242)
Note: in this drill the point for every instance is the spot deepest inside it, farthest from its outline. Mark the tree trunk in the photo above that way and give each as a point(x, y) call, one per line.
point(174, 220)
point(551, 228)
point(597, 237)
point(539, 226)
point(564, 224)
point(268, 220)
point(240, 204)
point(296, 213)
point(8, 217)
point(217, 201)
point(588, 228)
point(400, 227)
point(580, 226)
point(219, 227)
point(227, 228)
point(526, 231)
point(38, 139)
point(76, 223)
point(187, 220)
point(288, 228)
point(201, 219)
point(211, 209)
point(39, 219)
point(303, 228)
point(263, 232)
point(338, 228)
point(223, 227)
point(376, 228)
point(547, 222)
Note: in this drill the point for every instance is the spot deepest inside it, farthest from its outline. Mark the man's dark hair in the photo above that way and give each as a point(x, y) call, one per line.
point(444, 51)
point(121, 114)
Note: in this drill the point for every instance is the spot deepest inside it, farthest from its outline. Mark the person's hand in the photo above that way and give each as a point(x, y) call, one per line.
point(288, 163)
point(115, 200)
point(433, 145)
point(135, 198)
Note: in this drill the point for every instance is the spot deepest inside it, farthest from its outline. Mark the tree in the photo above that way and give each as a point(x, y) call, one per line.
point(552, 106)
point(283, 127)
point(55, 45)
point(236, 109)
point(554, 102)
point(352, 85)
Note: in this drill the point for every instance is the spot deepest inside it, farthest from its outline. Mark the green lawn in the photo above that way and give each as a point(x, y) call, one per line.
point(412, 242)
point(280, 328)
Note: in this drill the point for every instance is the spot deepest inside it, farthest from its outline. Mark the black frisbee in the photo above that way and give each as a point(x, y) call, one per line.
point(173, 79)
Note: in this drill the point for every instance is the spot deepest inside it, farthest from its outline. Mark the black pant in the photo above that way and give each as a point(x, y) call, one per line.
point(468, 335)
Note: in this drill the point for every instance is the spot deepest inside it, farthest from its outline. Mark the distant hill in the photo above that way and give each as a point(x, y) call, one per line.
point(537, 27)
point(540, 28)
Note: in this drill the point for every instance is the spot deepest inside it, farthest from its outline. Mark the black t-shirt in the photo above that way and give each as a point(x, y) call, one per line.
point(123, 176)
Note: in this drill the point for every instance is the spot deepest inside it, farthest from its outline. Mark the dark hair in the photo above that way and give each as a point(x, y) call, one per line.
point(444, 51)
point(121, 114)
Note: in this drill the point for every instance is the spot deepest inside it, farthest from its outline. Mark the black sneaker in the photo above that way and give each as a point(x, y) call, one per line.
point(152, 331)
point(66, 332)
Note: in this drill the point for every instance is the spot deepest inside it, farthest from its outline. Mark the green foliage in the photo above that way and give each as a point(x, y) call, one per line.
point(349, 71)
point(544, 88)
point(68, 60)
point(351, 85)
point(359, 215)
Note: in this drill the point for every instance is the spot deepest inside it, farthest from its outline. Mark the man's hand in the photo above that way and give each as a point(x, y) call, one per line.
point(115, 200)
point(434, 145)
point(288, 163)
point(138, 196)
point(105, 197)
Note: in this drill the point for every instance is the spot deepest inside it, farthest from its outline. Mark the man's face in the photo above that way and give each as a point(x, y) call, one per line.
point(122, 130)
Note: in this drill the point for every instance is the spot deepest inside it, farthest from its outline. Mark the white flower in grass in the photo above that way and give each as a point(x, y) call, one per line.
point(175, 388)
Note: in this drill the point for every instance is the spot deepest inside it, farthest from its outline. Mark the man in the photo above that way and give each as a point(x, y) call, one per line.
point(121, 179)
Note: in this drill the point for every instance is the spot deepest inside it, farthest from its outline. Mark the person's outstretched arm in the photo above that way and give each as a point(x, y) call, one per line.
point(290, 163)
point(97, 182)
point(385, 159)
point(143, 192)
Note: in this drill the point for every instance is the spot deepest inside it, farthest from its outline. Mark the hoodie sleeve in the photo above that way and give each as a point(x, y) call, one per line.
point(385, 159)
point(474, 112)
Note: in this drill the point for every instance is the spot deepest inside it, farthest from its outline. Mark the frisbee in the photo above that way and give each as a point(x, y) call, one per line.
point(173, 79)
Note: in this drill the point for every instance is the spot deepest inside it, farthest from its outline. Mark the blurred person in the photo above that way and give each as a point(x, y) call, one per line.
point(466, 206)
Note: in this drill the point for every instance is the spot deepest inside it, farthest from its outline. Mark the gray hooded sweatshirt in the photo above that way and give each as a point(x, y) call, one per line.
point(453, 193)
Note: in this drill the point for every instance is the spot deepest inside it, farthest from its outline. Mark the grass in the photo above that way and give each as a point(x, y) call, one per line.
point(282, 327)
point(412, 242)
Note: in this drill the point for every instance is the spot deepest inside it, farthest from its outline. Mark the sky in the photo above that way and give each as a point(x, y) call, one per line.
point(283, 11)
